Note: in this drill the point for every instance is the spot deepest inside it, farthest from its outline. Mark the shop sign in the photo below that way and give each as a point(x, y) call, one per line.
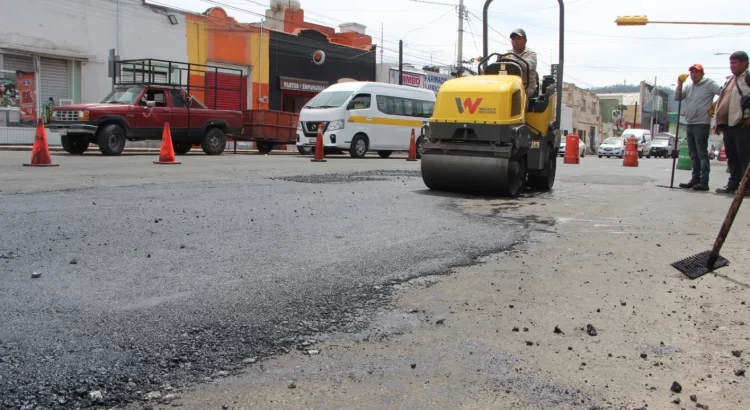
point(298, 84)
point(434, 81)
point(26, 89)
point(410, 79)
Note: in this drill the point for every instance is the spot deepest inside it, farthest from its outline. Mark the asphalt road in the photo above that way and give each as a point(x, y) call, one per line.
point(154, 275)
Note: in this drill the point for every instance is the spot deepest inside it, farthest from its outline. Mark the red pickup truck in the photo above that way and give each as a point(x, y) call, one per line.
point(138, 112)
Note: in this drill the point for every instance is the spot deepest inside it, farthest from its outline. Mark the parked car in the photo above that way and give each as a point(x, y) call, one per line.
point(642, 136)
point(581, 148)
point(612, 147)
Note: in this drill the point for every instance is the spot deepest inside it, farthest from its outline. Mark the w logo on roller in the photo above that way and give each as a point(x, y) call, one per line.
point(468, 105)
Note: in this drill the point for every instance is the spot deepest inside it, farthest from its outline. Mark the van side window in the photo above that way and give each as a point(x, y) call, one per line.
point(359, 102)
point(407, 107)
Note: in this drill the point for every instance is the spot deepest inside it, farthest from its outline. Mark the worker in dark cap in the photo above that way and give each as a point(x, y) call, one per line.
point(518, 40)
point(732, 118)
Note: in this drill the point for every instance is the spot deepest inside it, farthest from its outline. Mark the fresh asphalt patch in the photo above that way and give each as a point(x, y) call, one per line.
point(176, 284)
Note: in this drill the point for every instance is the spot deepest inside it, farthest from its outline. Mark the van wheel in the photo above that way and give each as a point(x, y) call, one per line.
point(214, 142)
point(304, 150)
point(419, 146)
point(359, 146)
point(385, 154)
point(111, 139)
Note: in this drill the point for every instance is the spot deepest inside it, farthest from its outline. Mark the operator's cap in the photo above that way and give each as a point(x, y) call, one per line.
point(739, 55)
point(698, 67)
point(518, 32)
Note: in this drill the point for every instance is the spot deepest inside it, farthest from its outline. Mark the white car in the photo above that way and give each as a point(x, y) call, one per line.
point(581, 148)
point(612, 147)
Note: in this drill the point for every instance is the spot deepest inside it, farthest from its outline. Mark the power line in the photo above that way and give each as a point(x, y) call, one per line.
point(538, 59)
point(432, 2)
point(387, 39)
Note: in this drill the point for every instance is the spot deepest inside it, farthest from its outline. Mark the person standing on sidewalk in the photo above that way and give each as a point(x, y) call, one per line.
point(698, 98)
point(733, 120)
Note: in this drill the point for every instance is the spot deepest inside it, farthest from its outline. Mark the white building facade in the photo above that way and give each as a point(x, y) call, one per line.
point(64, 54)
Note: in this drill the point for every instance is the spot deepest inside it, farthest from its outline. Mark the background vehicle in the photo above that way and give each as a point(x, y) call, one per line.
point(661, 146)
point(142, 100)
point(642, 136)
point(612, 147)
point(486, 135)
point(581, 148)
point(364, 116)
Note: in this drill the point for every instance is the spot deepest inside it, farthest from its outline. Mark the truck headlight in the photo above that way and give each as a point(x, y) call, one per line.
point(335, 125)
point(83, 115)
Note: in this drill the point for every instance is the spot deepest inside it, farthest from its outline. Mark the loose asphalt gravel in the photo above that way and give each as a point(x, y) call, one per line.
point(141, 286)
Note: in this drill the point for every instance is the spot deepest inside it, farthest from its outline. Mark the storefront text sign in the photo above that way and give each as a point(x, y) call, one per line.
point(410, 79)
point(298, 84)
point(434, 81)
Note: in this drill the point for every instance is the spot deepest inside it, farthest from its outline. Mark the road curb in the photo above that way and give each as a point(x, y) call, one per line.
point(22, 148)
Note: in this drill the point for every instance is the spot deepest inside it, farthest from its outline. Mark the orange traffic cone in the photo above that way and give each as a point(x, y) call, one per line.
point(571, 149)
point(166, 153)
point(40, 156)
point(412, 147)
point(630, 158)
point(319, 154)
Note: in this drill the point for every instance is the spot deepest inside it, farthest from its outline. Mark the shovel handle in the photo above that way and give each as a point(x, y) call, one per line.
point(729, 219)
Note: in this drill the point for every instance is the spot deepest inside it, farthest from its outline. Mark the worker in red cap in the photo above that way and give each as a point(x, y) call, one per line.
point(697, 99)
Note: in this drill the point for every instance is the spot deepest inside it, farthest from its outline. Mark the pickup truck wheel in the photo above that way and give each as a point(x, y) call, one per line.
point(182, 147)
point(214, 142)
point(111, 139)
point(264, 147)
point(74, 144)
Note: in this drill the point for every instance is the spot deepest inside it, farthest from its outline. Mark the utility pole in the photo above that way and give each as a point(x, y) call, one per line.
point(401, 62)
point(460, 59)
point(381, 44)
point(653, 108)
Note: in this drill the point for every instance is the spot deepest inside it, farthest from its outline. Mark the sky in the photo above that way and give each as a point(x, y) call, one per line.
point(597, 51)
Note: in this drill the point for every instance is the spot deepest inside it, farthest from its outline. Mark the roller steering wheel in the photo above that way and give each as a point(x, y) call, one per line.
point(501, 59)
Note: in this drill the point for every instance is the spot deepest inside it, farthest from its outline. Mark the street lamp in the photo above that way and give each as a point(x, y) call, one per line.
point(643, 20)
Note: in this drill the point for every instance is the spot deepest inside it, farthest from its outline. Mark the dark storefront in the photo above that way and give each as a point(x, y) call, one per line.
point(293, 76)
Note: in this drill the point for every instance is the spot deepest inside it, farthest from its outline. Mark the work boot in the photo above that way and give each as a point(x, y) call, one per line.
point(726, 190)
point(701, 186)
point(689, 185)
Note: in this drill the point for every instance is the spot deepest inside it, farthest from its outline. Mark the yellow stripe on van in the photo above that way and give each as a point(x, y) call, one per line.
point(360, 119)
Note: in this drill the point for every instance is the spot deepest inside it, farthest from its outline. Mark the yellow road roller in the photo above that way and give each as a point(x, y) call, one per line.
point(486, 136)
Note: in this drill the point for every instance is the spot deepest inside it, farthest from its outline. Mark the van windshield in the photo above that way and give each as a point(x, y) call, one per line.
point(329, 99)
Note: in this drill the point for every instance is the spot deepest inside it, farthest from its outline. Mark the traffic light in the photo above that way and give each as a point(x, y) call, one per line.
point(631, 20)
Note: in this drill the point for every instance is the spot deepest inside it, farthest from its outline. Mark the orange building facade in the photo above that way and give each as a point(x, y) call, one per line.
point(215, 39)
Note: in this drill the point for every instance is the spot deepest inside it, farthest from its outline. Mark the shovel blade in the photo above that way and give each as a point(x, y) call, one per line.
point(697, 265)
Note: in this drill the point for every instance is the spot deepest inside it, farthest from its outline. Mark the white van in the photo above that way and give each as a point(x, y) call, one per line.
point(365, 116)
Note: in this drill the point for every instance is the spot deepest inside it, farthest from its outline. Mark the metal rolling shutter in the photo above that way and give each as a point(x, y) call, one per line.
point(226, 97)
point(55, 79)
point(13, 62)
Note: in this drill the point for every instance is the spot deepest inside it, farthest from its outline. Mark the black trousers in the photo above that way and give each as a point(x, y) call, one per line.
point(737, 148)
